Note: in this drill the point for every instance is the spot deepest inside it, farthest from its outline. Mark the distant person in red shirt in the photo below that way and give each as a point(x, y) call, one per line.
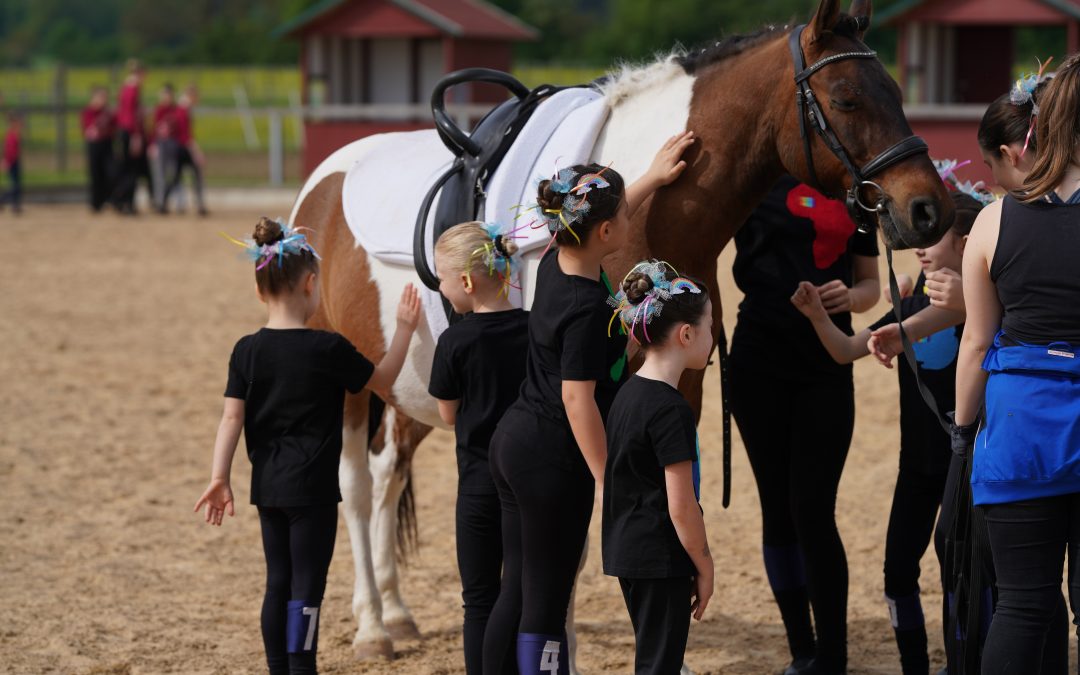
point(188, 153)
point(98, 127)
point(12, 163)
point(164, 148)
point(130, 125)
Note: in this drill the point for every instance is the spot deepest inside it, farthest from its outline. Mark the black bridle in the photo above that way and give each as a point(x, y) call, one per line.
point(810, 111)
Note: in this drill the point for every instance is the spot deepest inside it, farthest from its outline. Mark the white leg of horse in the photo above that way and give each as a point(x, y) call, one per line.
point(371, 639)
point(388, 486)
point(571, 634)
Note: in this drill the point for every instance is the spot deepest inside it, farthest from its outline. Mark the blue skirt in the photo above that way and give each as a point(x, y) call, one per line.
point(1029, 447)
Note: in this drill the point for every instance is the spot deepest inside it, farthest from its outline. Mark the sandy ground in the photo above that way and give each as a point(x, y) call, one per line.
point(117, 334)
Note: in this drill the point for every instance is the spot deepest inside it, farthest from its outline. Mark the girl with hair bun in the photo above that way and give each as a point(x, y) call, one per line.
point(549, 449)
point(653, 531)
point(476, 374)
point(286, 392)
point(1006, 133)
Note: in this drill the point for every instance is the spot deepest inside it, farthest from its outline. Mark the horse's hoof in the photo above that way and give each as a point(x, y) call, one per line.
point(380, 648)
point(404, 629)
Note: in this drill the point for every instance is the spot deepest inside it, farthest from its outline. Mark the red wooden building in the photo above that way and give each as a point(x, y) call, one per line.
point(956, 56)
point(369, 66)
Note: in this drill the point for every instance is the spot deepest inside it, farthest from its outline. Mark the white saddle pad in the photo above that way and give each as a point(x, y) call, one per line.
point(382, 191)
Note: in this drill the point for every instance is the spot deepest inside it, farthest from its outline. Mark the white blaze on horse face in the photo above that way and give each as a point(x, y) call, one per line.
point(648, 106)
point(410, 389)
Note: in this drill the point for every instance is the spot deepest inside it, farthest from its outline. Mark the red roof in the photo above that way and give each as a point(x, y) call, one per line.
point(982, 12)
point(457, 18)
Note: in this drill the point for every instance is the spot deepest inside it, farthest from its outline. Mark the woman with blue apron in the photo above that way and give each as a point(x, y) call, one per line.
point(1019, 356)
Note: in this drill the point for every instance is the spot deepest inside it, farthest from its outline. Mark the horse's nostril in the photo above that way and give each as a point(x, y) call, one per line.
point(924, 215)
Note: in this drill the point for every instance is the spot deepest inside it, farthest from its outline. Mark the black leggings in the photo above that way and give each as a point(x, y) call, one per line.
point(479, 554)
point(1029, 540)
point(797, 436)
point(1055, 655)
point(660, 613)
point(911, 526)
point(547, 501)
point(299, 543)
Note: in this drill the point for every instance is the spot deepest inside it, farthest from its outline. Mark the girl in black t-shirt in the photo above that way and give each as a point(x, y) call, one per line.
point(795, 406)
point(476, 374)
point(549, 449)
point(653, 531)
point(286, 391)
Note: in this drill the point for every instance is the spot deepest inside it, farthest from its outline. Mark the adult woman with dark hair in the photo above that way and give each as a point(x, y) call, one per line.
point(795, 406)
point(1017, 357)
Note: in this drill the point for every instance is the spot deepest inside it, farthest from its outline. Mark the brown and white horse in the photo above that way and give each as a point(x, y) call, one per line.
point(739, 98)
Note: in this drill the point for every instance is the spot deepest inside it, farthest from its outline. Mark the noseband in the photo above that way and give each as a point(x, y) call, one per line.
point(810, 111)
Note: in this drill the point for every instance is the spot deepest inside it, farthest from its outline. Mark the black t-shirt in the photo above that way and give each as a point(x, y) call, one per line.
point(480, 361)
point(650, 426)
point(922, 440)
point(795, 234)
point(293, 384)
point(568, 340)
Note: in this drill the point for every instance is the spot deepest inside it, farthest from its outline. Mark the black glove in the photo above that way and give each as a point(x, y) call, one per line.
point(962, 438)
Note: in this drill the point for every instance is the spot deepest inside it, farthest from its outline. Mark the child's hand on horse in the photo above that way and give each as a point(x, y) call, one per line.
point(906, 285)
point(408, 312)
point(808, 301)
point(945, 289)
point(668, 163)
point(835, 296)
point(885, 344)
point(218, 498)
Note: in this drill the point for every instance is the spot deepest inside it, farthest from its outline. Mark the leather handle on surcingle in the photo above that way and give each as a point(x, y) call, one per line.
point(420, 261)
point(456, 140)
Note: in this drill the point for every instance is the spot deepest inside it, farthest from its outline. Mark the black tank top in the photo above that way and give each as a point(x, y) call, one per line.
point(1036, 269)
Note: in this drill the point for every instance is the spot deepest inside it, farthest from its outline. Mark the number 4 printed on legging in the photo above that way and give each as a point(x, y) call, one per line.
point(549, 660)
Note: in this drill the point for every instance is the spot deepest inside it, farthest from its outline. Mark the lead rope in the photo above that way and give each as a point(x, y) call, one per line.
point(725, 407)
point(909, 351)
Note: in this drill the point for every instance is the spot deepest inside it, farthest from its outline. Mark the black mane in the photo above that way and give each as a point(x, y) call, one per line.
point(707, 55)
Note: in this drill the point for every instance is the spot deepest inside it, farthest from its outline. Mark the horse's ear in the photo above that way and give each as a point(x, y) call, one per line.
point(861, 11)
point(828, 13)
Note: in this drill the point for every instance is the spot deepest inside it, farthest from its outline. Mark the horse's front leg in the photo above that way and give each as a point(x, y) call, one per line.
point(372, 639)
point(389, 471)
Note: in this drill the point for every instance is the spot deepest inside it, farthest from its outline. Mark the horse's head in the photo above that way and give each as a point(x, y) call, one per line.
point(860, 112)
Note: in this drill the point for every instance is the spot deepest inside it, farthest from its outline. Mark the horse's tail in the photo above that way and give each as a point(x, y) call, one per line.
point(408, 538)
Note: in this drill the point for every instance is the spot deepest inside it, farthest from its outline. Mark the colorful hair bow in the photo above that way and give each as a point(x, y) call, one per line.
point(1023, 92)
point(978, 191)
point(492, 255)
point(643, 312)
point(575, 205)
point(291, 243)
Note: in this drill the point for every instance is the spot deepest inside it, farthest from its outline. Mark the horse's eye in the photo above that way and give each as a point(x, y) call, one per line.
point(843, 106)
